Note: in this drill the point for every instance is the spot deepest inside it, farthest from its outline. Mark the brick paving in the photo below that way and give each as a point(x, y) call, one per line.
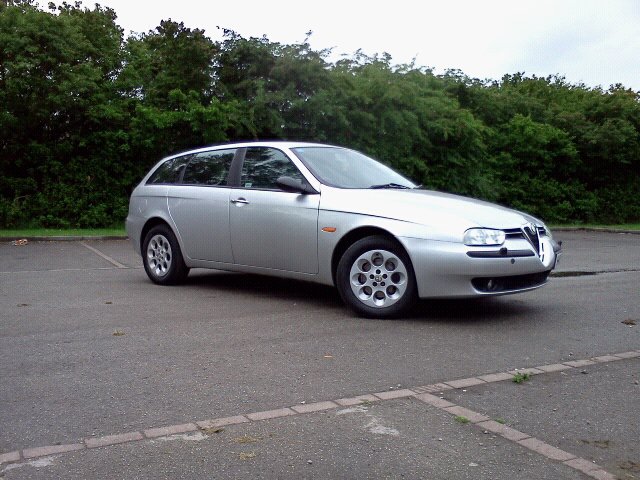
point(314, 407)
point(465, 382)
point(580, 363)
point(113, 439)
point(496, 377)
point(554, 367)
point(51, 450)
point(349, 402)
point(222, 422)
point(434, 401)
point(395, 394)
point(266, 415)
point(503, 430)
point(171, 430)
point(545, 449)
point(472, 416)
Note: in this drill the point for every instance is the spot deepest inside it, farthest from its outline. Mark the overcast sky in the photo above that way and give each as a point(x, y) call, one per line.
point(596, 42)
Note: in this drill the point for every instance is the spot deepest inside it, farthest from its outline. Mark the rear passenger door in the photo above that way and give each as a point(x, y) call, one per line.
point(199, 206)
point(271, 228)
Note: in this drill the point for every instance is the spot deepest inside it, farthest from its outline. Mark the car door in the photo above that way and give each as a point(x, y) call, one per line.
point(271, 228)
point(199, 206)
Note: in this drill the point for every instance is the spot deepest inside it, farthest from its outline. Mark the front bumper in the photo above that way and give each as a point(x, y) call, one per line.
point(449, 270)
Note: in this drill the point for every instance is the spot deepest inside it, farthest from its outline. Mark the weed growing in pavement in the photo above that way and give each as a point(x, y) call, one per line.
point(521, 377)
point(212, 430)
point(461, 419)
point(501, 421)
point(597, 443)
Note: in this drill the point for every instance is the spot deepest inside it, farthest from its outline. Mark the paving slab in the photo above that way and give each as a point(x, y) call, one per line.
point(590, 412)
point(392, 439)
point(43, 256)
point(119, 250)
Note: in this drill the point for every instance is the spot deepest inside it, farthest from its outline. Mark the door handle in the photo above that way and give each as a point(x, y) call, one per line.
point(239, 201)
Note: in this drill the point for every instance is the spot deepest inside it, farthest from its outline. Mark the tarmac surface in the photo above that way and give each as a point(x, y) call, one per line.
point(94, 359)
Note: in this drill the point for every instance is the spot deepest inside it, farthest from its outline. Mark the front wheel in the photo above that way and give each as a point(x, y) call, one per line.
point(375, 278)
point(162, 257)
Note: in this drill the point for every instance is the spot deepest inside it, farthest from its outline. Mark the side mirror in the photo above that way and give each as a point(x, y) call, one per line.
point(288, 184)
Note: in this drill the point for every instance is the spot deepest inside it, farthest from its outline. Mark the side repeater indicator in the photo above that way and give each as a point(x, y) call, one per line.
point(329, 229)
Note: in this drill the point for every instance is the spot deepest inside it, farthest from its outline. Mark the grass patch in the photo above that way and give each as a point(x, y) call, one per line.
point(501, 421)
point(461, 419)
point(61, 232)
point(521, 377)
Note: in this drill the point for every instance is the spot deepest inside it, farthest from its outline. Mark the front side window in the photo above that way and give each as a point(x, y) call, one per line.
point(209, 168)
point(263, 166)
point(169, 171)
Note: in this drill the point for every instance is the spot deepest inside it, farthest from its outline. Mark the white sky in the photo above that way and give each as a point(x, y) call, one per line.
point(592, 41)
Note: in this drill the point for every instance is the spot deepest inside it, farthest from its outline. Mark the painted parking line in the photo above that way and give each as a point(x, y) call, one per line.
point(103, 255)
point(54, 270)
point(424, 394)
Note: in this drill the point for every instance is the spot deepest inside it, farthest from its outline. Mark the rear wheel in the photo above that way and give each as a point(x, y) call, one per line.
point(375, 278)
point(162, 257)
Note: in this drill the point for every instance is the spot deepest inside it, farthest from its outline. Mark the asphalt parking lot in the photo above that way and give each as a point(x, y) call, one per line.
point(105, 375)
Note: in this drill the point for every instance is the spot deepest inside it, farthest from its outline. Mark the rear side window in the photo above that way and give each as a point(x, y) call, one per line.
point(263, 165)
point(169, 171)
point(208, 168)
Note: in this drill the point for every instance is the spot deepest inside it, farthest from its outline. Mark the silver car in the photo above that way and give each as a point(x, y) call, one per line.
point(334, 216)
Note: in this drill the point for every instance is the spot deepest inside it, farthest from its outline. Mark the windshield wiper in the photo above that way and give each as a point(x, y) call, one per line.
point(390, 185)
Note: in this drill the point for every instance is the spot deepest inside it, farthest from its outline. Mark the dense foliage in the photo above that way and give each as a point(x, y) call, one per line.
point(84, 112)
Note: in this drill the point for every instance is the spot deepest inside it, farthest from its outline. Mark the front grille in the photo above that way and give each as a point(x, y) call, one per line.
point(532, 235)
point(507, 284)
point(513, 233)
point(517, 233)
point(502, 253)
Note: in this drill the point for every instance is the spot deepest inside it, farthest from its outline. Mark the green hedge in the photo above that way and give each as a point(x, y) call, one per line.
point(84, 112)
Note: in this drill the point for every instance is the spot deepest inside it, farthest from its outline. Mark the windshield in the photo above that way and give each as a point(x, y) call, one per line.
point(344, 168)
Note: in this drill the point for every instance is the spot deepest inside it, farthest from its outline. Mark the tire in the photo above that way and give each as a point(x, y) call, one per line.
point(162, 257)
point(375, 278)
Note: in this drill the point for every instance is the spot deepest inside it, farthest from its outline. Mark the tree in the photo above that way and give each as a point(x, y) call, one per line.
point(55, 84)
point(171, 57)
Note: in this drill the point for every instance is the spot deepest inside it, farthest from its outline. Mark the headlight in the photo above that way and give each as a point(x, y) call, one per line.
point(483, 236)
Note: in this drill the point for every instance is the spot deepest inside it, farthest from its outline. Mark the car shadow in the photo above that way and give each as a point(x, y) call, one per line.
point(472, 310)
point(319, 296)
point(267, 286)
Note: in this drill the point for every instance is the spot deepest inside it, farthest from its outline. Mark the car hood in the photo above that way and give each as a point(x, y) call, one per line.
point(425, 207)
